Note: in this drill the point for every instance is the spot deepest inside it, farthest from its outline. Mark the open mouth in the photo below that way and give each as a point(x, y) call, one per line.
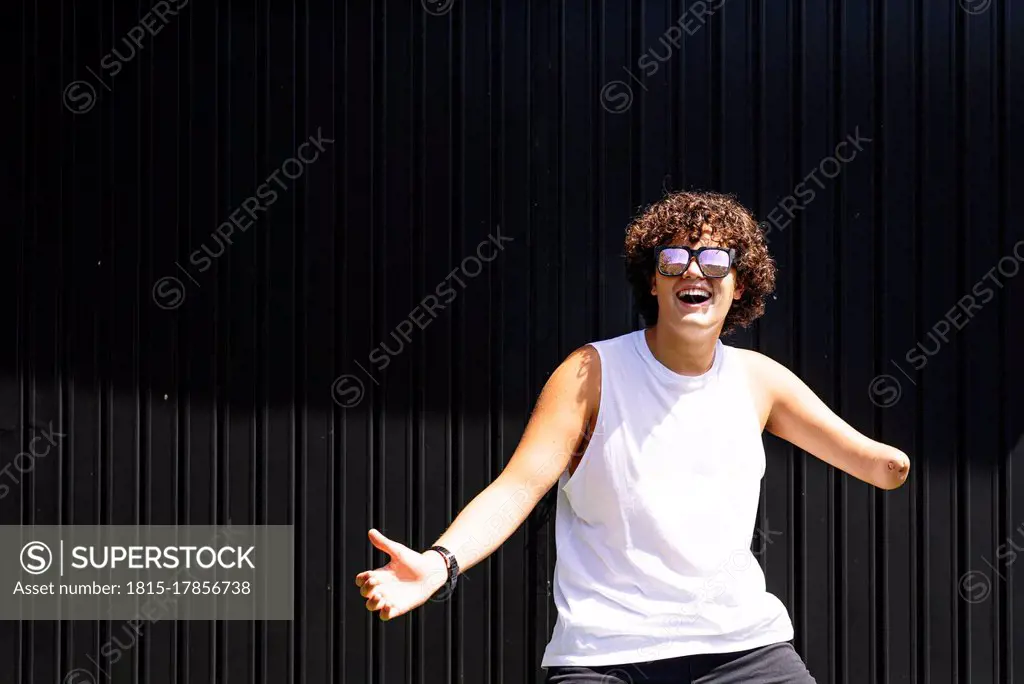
point(693, 295)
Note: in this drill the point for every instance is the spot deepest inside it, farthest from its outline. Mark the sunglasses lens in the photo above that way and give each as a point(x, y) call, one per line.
point(673, 262)
point(714, 263)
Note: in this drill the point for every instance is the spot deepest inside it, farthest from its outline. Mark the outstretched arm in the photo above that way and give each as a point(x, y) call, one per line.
point(556, 426)
point(799, 416)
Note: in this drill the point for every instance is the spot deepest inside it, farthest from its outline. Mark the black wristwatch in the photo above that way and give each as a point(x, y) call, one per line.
point(453, 574)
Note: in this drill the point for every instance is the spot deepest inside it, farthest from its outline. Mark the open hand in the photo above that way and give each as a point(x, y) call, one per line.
point(406, 582)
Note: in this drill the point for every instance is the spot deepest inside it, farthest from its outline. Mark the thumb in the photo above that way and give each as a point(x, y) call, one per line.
point(392, 548)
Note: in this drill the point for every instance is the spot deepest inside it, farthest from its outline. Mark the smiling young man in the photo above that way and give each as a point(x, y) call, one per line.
point(658, 491)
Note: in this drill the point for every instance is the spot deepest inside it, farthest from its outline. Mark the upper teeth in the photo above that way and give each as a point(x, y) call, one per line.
point(693, 291)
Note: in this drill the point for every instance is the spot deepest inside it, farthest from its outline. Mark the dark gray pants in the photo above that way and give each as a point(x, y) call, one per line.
point(773, 664)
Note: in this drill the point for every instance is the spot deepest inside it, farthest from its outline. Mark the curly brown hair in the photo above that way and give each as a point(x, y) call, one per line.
point(684, 214)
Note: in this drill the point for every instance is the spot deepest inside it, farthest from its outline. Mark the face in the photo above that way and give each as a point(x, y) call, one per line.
point(692, 299)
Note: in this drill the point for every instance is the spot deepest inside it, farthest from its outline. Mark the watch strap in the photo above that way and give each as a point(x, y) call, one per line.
point(453, 572)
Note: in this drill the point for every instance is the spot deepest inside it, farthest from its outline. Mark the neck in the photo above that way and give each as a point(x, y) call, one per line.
point(682, 354)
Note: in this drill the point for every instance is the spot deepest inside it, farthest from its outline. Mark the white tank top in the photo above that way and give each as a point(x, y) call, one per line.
point(653, 530)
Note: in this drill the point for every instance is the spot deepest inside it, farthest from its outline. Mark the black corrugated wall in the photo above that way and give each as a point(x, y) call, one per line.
point(287, 376)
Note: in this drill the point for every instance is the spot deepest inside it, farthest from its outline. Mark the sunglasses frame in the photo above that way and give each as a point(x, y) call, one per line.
point(693, 254)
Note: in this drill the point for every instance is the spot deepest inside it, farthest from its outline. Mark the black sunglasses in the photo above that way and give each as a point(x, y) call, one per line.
point(713, 262)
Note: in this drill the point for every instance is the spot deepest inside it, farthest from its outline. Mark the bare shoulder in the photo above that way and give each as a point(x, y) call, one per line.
point(565, 409)
point(584, 359)
point(762, 377)
point(557, 423)
point(574, 389)
point(579, 377)
point(764, 367)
